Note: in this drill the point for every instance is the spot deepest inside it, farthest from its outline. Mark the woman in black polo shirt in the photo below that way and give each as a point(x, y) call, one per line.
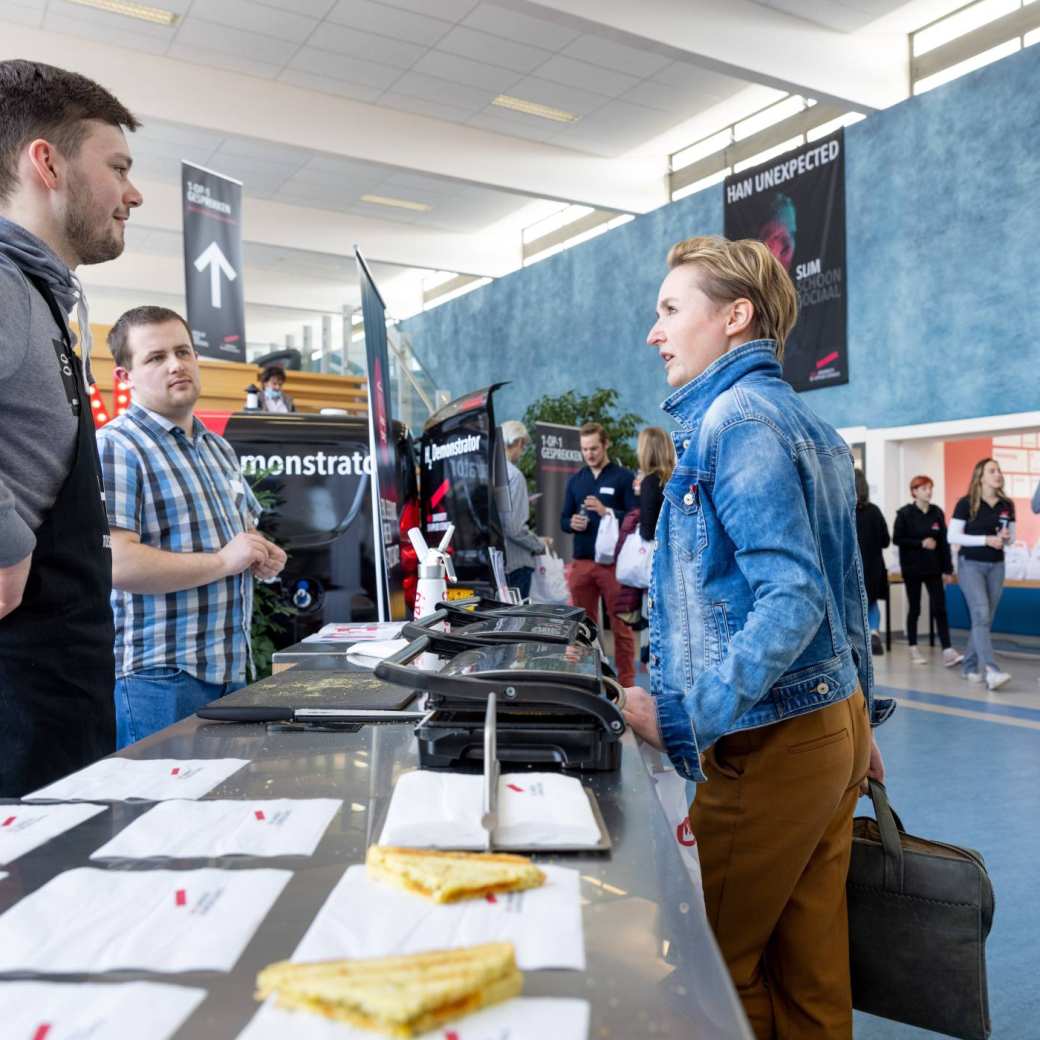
point(983, 523)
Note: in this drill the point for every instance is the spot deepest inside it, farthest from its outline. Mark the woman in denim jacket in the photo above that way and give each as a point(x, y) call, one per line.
point(760, 668)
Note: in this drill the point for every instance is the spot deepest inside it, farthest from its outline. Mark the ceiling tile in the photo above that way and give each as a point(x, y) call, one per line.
point(588, 77)
point(389, 21)
point(220, 60)
point(536, 32)
point(337, 66)
point(425, 107)
point(493, 49)
point(556, 95)
point(258, 18)
point(611, 55)
point(89, 29)
point(685, 75)
point(272, 153)
point(430, 88)
point(159, 133)
point(222, 39)
point(311, 8)
point(462, 70)
point(615, 128)
point(60, 10)
point(30, 14)
point(515, 124)
point(165, 168)
point(327, 85)
point(450, 10)
point(665, 98)
point(354, 43)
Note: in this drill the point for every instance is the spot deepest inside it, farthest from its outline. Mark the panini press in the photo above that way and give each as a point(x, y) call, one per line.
point(479, 609)
point(556, 706)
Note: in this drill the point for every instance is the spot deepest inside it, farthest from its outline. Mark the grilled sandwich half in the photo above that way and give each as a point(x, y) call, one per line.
point(446, 877)
point(398, 996)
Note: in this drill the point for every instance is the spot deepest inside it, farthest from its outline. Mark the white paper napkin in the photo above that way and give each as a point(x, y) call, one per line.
point(355, 632)
point(88, 920)
point(26, 827)
point(98, 1011)
point(149, 780)
point(522, 1018)
point(363, 918)
point(373, 652)
point(443, 810)
point(276, 827)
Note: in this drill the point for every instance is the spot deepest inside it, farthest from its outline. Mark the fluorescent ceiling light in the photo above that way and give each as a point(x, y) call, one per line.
point(142, 12)
point(969, 65)
point(532, 108)
point(385, 200)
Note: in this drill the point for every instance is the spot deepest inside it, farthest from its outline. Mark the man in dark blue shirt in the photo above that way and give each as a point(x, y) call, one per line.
point(600, 485)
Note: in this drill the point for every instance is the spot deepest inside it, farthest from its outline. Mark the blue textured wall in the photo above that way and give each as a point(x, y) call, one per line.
point(943, 241)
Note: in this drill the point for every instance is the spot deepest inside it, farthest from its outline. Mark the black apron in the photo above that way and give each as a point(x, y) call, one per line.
point(57, 672)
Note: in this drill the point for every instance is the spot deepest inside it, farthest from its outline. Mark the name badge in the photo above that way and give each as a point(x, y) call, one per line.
point(606, 491)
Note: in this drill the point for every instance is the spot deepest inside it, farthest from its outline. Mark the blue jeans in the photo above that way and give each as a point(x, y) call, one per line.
point(873, 615)
point(154, 698)
point(981, 584)
point(521, 579)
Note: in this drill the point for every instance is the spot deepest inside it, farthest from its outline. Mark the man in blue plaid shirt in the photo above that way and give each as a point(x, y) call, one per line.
point(185, 548)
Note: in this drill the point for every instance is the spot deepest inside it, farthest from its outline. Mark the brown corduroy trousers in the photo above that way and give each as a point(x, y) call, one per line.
point(774, 829)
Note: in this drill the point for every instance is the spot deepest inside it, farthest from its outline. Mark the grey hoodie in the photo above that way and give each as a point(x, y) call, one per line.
point(37, 427)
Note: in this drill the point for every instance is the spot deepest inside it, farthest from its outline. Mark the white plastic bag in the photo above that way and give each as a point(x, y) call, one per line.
point(549, 583)
point(1016, 561)
point(606, 537)
point(635, 561)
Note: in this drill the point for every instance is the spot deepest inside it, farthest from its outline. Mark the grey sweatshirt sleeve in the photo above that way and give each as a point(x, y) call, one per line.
point(516, 529)
point(16, 537)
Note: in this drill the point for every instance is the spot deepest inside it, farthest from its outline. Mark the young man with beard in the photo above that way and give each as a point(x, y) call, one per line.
point(65, 197)
point(185, 547)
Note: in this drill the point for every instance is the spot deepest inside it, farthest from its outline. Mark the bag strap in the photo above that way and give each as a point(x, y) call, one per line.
point(890, 828)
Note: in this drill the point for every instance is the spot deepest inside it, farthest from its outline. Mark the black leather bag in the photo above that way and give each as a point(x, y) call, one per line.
point(919, 915)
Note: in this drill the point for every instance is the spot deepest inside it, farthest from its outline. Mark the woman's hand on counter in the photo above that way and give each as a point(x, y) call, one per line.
point(641, 716)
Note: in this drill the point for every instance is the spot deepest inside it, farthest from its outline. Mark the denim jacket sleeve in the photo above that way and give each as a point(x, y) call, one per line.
point(759, 501)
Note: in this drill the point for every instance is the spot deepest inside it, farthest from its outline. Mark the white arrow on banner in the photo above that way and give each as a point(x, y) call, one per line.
point(213, 258)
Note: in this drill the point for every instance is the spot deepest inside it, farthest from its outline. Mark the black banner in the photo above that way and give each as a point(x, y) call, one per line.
point(213, 262)
point(796, 206)
point(457, 482)
point(380, 417)
point(557, 457)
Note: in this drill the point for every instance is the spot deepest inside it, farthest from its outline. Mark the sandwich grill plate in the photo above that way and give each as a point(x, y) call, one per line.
point(556, 706)
point(464, 612)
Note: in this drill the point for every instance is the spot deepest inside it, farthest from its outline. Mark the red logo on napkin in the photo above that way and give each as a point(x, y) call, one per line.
point(259, 814)
point(683, 835)
point(490, 897)
point(175, 770)
point(8, 821)
point(41, 1031)
point(513, 787)
point(181, 898)
point(451, 1036)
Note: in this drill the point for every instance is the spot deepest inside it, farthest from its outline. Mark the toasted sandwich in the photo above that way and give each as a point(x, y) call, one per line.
point(398, 996)
point(446, 877)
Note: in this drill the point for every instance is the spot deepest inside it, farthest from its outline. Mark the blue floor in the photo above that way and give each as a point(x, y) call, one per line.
point(977, 783)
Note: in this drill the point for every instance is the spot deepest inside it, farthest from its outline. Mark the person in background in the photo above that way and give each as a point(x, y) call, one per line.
point(983, 522)
point(656, 456)
point(760, 671)
point(185, 548)
point(65, 199)
point(924, 559)
point(598, 486)
point(872, 535)
point(522, 544)
point(272, 397)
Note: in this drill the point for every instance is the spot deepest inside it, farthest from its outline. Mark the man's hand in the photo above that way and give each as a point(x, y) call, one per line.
point(928, 543)
point(12, 585)
point(274, 563)
point(593, 503)
point(995, 541)
point(579, 522)
point(245, 550)
point(947, 579)
point(876, 769)
point(641, 715)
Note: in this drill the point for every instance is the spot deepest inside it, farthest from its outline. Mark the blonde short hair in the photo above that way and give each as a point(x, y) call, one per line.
point(746, 270)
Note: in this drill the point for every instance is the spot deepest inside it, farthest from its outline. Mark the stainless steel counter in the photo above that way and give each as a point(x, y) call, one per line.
point(653, 967)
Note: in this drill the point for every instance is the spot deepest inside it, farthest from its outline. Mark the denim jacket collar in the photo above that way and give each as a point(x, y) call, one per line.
point(689, 402)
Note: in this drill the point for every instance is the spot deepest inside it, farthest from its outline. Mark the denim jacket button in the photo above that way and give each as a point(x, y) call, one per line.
point(685, 444)
point(688, 498)
point(822, 689)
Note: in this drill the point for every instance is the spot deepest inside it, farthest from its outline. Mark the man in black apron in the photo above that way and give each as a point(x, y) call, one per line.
point(65, 195)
